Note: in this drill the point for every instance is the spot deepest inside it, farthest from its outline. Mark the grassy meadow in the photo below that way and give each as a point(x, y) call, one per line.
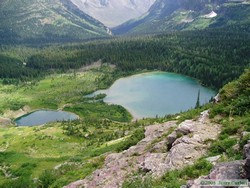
point(58, 153)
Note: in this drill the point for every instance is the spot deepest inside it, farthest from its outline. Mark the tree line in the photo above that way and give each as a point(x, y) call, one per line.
point(213, 56)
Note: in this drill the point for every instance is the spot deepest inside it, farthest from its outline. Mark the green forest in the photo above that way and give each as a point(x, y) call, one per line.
point(214, 57)
point(43, 76)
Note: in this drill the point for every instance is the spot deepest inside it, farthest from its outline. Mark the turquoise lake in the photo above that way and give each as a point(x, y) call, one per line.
point(156, 94)
point(41, 117)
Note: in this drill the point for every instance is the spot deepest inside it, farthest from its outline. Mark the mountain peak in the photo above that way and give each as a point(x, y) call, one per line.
point(113, 12)
point(46, 20)
point(172, 15)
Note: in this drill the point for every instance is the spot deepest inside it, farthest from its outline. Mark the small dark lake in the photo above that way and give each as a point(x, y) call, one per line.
point(41, 117)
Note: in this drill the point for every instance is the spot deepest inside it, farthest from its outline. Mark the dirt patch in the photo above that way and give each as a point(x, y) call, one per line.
point(15, 114)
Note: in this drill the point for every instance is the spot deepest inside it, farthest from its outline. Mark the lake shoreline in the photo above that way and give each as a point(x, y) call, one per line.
point(156, 88)
point(69, 116)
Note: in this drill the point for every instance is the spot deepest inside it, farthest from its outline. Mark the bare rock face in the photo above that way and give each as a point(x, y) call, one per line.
point(228, 170)
point(171, 139)
point(225, 171)
point(119, 166)
point(246, 151)
point(216, 99)
point(247, 169)
point(152, 154)
point(246, 154)
point(222, 171)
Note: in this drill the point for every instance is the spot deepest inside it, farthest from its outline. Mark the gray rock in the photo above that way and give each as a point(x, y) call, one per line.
point(246, 151)
point(216, 99)
point(184, 151)
point(185, 127)
point(227, 170)
point(222, 171)
point(204, 117)
point(213, 160)
point(171, 139)
point(247, 169)
point(236, 147)
point(155, 163)
point(245, 133)
point(160, 147)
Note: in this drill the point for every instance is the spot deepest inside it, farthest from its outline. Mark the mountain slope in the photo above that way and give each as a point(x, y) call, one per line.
point(168, 15)
point(113, 12)
point(45, 20)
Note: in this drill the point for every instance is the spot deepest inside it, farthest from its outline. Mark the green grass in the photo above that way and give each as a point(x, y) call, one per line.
point(33, 152)
point(173, 179)
point(55, 91)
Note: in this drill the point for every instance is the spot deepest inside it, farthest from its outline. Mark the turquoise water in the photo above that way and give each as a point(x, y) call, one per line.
point(156, 94)
point(44, 116)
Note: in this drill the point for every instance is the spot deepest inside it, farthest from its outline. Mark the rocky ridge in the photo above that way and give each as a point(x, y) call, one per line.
point(233, 170)
point(166, 146)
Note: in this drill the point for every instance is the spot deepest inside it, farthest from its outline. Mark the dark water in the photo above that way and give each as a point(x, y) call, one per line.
point(44, 116)
point(156, 93)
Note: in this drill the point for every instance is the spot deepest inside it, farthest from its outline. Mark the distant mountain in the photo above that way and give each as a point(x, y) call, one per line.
point(47, 21)
point(114, 12)
point(172, 15)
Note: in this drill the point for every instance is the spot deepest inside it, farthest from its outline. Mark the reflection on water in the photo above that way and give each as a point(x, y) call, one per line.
point(156, 93)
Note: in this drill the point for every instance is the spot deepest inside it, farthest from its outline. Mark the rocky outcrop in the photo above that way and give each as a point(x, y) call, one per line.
point(226, 171)
point(246, 154)
point(247, 169)
point(118, 166)
point(246, 150)
point(151, 155)
point(222, 171)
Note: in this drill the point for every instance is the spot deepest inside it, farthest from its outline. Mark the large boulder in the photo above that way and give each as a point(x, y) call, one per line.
point(227, 170)
point(222, 171)
point(185, 127)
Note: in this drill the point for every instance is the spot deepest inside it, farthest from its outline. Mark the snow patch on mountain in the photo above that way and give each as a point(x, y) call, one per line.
point(113, 12)
point(210, 15)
